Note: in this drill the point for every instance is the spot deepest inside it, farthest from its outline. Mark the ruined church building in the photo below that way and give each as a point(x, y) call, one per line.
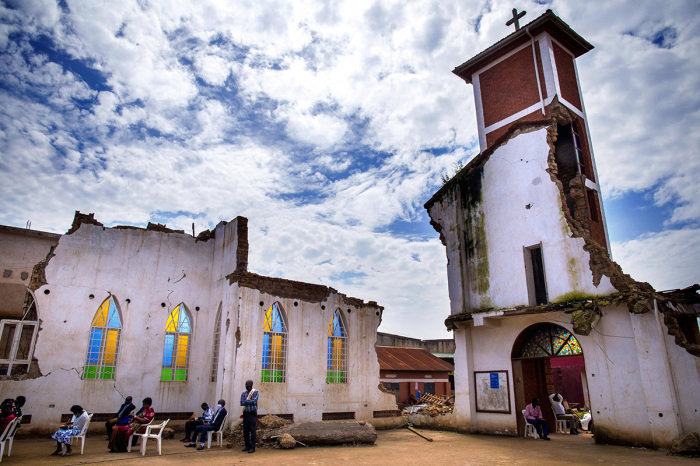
point(537, 305)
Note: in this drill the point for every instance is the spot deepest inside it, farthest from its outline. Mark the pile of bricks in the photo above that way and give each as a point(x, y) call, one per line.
point(436, 405)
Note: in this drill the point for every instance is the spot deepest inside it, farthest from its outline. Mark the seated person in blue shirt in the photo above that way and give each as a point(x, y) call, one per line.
point(215, 425)
point(122, 418)
point(190, 425)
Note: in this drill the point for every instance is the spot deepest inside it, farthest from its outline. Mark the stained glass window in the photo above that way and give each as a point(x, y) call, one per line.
point(215, 347)
point(104, 342)
point(274, 357)
point(176, 351)
point(337, 369)
point(549, 341)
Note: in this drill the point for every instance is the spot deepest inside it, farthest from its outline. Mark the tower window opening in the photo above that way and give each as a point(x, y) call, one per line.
point(536, 279)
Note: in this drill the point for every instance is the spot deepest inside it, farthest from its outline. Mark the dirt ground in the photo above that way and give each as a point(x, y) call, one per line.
point(392, 447)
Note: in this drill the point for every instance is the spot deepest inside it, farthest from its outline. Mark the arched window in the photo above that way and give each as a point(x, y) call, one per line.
point(104, 342)
point(550, 340)
point(337, 369)
point(274, 360)
point(215, 346)
point(176, 352)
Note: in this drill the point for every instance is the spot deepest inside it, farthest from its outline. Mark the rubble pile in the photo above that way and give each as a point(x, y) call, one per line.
point(436, 405)
point(266, 424)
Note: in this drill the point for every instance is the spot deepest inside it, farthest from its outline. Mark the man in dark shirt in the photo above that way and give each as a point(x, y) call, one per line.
point(249, 401)
point(219, 417)
point(124, 410)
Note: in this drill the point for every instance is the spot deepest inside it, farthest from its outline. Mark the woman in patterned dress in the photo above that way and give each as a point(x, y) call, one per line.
point(64, 434)
point(121, 434)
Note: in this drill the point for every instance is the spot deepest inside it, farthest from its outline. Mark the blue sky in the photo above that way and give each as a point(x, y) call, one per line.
point(328, 124)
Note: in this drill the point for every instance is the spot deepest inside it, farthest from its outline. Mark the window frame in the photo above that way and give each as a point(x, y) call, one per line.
point(176, 347)
point(100, 364)
point(332, 373)
point(31, 311)
point(273, 368)
point(216, 347)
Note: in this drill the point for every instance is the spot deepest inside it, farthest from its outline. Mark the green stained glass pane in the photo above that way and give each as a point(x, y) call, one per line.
point(335, 377)
point(90, 372)
point(166, 374)
point(180, 375)
point(269, 375)
point(107, 373)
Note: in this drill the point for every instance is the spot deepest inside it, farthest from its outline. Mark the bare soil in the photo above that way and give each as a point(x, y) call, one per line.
point(392, 447)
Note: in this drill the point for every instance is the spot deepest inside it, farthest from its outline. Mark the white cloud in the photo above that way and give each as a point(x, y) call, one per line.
point(327, 131)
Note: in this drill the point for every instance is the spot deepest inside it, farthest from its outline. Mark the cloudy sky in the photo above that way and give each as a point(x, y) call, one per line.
point(328, 124)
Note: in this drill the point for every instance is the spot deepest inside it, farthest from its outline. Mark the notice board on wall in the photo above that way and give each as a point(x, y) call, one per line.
point(492, 392)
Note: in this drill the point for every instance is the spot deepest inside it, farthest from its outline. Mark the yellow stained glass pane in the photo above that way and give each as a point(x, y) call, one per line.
point(330, 328)
point(100, 319)
point(111, 346)
point(171, 326)
point(182, 351)
point(337, 353)
point(276, 352)
point(267, 326)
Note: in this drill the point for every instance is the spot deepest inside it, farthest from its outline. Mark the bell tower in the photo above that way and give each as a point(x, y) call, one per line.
point(517, 79)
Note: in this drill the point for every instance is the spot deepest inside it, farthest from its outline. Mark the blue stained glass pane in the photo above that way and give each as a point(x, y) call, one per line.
point(113, 320)
point(277, 320)
point(94, 348)
point(168, 350)
point(184, 324)
point(266, 351)
point(337, 328)
point(329, 358)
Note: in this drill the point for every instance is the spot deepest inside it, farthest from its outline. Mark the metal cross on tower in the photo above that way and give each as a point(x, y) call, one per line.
point(515, 18)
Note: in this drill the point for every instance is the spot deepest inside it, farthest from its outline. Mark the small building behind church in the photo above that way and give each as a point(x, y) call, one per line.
point(100, 313)
point(537, 304)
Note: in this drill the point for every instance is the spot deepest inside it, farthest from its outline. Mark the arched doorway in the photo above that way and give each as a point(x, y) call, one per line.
point(546, 359)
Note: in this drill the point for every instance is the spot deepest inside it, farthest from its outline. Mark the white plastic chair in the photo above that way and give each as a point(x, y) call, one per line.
point(81, 436)
point(561, 426)
point(6, 435)
point(149, 434)
point(11, 436)
point(219, 433)
point(529, 428)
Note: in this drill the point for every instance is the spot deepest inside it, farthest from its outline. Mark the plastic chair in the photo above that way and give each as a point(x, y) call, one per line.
point(529, 428)
point(6, 436)
point(11, 437)
point(81, 436)
point(561, 426)
point(149, 434)
point(219, 433)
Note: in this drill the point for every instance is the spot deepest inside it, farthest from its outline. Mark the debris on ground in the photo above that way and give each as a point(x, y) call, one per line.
point(286, 441)
point(432, 405)
point(686, 445)
point(168, 433)
point(327, 433)
point(266, 428)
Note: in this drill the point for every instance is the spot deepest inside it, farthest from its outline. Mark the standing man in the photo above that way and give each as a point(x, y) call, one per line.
point(206, 428)
point(124, 410)
point(249, 401)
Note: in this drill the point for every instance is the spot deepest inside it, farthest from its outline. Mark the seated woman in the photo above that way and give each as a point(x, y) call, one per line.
point(8, 415)
point(121, 434)
point(67, 431)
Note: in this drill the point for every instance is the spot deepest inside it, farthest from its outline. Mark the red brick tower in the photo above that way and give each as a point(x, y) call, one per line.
point(516, 80)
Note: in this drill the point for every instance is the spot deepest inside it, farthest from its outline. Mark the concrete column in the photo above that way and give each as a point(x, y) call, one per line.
point(464, 374)
point(657, 380)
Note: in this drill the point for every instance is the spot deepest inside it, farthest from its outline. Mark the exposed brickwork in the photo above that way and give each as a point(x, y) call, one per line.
point(242, 249)
point(161, 228)
point(508, 87)
point(543, 86)
point(567, 76)
point(535, 116)
point(597, 229)
point(291, 289)
point(81, 218)
point(585, 148)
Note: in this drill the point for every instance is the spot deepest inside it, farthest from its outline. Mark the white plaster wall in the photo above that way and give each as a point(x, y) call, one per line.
point(148, 268)
point(514, 177)
point(305, 392)
point(629, 382)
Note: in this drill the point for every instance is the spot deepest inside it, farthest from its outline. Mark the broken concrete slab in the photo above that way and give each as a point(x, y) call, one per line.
point(329, 433)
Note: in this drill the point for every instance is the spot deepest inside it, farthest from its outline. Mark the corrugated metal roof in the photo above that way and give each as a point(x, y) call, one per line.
point(392, 358)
